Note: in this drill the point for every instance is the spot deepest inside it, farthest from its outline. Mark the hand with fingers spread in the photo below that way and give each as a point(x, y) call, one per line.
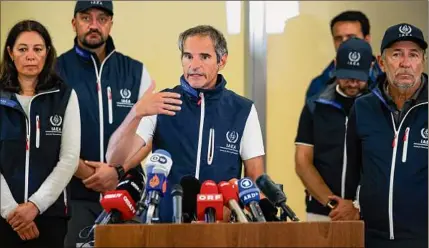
point(29, 232)
point(22, 216)
point(105, 177)
point(344, 209)
point(152, 103)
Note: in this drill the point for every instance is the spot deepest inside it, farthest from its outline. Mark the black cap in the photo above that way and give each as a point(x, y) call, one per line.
point(401, 32)
point(354, 58)
point(106, 5)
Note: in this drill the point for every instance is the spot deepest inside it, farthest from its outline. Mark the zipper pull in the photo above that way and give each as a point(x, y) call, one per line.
point(200, 99)
point(27, 144)
point(37, 131)
point(109, 93)
point(406, 134)
point(98, 86)
point(394, 141)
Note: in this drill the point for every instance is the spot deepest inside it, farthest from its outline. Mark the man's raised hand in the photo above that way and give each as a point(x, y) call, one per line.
point(154, 103)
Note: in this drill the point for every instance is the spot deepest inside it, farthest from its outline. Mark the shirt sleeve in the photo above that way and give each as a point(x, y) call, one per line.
point(145, 82)
point(7, 202)
point(67, 165)
point(305, 128)
point(252, 144)
point(146, 128)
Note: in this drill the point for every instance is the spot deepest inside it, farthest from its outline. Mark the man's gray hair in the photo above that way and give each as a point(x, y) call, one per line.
point(215, 35)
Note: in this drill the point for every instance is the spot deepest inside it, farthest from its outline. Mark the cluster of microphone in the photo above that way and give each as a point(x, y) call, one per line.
point(137, 198)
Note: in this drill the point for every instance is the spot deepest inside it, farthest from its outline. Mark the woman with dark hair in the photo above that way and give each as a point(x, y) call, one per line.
point(39, 140)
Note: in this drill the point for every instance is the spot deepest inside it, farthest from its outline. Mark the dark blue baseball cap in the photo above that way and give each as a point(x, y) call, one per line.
point(402, 32)
point(353, 61)
point(82, 5)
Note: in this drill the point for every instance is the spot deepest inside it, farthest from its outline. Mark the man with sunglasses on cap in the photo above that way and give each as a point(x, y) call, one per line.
point(320, 142)
point(387, 140)
point(107, 84)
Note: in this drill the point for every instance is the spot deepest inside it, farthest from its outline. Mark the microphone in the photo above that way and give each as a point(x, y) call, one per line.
point(269, 210)
point(177, 194)
point(283, 215)
point(161, 158)
point(249, 195)
point(158, 167)
point(209, 203)
point(191, 188)
point(234, 184)
point(230, 199)
point(275, 195)
point(119, 204)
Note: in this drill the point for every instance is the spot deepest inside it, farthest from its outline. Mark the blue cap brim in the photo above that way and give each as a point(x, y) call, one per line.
point(422, 43)
point(351, 74)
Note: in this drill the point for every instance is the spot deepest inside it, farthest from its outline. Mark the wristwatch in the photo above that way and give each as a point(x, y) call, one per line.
point(332, 204)
point(120, 170)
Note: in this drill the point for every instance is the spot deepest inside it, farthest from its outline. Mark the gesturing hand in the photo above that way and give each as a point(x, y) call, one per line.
point(157, 103)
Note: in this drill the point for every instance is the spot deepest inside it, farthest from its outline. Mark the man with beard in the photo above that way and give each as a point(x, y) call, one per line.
point(387, 141)
point(107, 84)
point(345, 25)
point(320, 143)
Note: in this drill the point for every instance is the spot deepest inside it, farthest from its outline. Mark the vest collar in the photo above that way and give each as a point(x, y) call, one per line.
point(208, 93)
point(86, 54)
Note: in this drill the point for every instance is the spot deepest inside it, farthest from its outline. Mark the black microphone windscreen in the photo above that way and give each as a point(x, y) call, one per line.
point(191, 188)
point(270, 189)
point(133, 183)
point(269, 210)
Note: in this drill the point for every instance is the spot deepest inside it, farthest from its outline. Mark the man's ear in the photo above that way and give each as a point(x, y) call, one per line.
point(73, 22)
point(222, 62)
point(367, 38)
point(380, 62)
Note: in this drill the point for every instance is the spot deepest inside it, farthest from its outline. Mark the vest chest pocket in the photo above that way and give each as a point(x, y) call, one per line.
point(48, 129)
point(228, 143)
point(225, 153)
point(415, 142)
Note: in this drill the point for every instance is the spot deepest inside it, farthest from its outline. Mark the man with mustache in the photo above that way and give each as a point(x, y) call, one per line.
point(387, 141)
point(107, 84)
point(320, 142)
point(213, 134)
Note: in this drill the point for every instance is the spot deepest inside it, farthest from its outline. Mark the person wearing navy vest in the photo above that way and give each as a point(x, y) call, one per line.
point(215, 130)
point(347, 24)
point(108, 83)
point(320, 143)
point(39, 141)
point(387, 141)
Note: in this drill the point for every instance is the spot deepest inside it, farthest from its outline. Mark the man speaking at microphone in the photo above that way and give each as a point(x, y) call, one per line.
point(215, 130)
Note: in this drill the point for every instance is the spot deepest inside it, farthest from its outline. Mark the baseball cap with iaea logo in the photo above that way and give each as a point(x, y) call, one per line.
point(353, 60)
point(82, 5)
point(402, 32)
